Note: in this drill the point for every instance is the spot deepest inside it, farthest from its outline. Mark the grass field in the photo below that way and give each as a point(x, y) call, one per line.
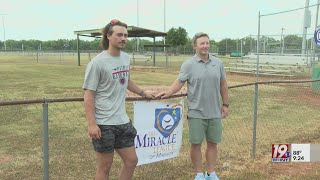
point(287, 113)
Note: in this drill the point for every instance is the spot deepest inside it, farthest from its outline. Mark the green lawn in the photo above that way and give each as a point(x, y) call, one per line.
point(286, 114)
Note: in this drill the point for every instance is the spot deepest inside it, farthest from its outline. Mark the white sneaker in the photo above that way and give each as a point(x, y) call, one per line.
point(211, 176)
point(199, 176)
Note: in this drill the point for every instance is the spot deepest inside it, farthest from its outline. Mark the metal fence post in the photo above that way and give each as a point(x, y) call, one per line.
point(256, 90)
point(314, 45)
point(167, 65)
point(78, 49)
point(45, 140)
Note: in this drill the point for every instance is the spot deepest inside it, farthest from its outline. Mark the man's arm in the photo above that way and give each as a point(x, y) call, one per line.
point(175, 87)
point(93, 129)
point(225, 98)
point(135, 89)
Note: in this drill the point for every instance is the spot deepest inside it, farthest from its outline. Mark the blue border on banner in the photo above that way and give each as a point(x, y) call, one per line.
point(316, 36)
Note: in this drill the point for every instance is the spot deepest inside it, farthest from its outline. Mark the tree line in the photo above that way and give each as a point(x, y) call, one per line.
point(177, 38)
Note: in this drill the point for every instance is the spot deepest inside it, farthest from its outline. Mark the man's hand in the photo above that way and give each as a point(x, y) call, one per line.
point(94, 131)
point(224, 111)
point(175, 87)
point(163, 95)
point(148, 96)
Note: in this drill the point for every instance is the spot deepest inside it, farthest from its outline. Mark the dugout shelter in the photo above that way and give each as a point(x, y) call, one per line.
point(133, 31)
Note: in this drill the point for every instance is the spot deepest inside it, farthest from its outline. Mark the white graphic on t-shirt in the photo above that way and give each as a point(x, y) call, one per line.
point(121, 72)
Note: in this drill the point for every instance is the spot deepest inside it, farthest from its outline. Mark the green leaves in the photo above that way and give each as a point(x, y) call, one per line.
point(177, 36)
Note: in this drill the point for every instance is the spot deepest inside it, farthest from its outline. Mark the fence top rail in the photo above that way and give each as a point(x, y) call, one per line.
point(45, 100)
point(38, 101)
point(274, 82)
point(265, 65)
point(254, 62)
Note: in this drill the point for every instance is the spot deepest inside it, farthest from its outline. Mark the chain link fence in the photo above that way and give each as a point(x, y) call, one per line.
point(65, 57)
point(137, 59)
point(288, 112)
point(287, 37)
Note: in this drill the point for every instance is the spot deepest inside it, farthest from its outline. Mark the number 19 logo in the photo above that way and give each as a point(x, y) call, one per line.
point(280, 153)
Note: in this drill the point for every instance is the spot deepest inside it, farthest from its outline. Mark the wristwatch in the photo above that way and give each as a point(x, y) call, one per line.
point(226, 105)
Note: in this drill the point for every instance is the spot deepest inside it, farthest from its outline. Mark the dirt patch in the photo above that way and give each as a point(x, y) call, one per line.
point(308, 96)
point(303, 95)
point(246, 78)
point(5, 159)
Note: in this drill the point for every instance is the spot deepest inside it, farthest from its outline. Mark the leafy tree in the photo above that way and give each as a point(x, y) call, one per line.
point(177, 37)
point(293, 42)
point(227, 45)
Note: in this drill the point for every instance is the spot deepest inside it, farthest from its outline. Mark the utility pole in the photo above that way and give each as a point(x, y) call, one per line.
point(315, 27)
point(264, 44)
point(306, 25)
point(241, 47)
point(164, 24)
point(251, 51)
point(138, 24)
point(4, 32)
point(226, 45)
point(282, 41)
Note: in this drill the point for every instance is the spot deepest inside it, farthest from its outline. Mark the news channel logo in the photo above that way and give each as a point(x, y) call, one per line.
point(280, 153)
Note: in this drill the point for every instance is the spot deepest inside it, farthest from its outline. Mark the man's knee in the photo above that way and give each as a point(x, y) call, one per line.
point(104, 165)
point(196, 146)
point(212, 144)
point(131, 162)
point(104, 161)
point(103, 170)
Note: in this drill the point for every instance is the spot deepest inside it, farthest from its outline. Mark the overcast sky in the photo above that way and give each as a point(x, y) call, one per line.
point(57, 19)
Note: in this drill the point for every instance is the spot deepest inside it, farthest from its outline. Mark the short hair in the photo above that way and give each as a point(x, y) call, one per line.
point(197, 36)
point(108, 30)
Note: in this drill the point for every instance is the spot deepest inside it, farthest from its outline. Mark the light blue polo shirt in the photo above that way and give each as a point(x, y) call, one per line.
point(203, 82)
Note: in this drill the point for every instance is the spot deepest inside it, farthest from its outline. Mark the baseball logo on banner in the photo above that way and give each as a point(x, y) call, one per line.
point(317, 36)
point(166, 120)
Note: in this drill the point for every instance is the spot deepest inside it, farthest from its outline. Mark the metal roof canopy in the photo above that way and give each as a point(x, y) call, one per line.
point(133, 31)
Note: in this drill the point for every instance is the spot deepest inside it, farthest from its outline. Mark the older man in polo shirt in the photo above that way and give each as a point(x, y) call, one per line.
point(206, 82)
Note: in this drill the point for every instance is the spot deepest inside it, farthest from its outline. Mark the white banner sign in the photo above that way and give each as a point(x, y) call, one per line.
point(159, 130)
point(316, 36)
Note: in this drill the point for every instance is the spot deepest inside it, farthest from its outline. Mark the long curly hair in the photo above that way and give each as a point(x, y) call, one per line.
point(108, 30)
